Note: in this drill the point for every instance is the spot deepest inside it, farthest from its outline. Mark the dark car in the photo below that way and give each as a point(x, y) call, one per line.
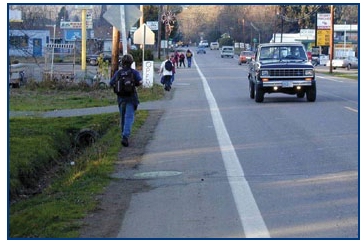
point(281, 68)
point(201, 49)
point(93, 58)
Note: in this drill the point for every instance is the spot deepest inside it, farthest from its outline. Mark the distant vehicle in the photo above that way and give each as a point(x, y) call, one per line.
point(227, 51)
point(204, 43)
point(201, 49)
point(348, 63)
point(214, 46)
point(133, 47)
point(18, 75)
point(246, 57)
point(281, 68)
point(93, 58)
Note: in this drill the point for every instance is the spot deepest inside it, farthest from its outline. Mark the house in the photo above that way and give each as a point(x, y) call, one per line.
point(27, 43)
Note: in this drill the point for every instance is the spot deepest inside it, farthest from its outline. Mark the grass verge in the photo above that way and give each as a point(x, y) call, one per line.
point(58, 210)
point(46, 99)
point(48, 196)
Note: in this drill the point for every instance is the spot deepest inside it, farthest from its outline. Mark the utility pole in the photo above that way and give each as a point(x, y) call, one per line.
point(243, 35)
point(331, 37)
point(115, 51)
point(159, 30)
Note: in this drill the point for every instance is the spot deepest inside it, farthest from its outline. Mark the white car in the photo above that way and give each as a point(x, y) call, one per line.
point(348, 63)
point(214, 46)
point(227, 51)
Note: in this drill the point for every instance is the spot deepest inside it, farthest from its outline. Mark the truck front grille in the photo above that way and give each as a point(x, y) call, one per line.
point(286, 72)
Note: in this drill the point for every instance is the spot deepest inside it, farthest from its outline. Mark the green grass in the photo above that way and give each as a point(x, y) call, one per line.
point(342, 75)
point(41, 150)
point(57, 211)
point(45, 99)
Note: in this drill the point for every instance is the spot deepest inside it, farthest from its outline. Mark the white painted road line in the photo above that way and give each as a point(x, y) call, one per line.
point(351, 109)
point(249, 213)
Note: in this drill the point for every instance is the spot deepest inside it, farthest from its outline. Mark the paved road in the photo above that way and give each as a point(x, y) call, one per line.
point(222, 166)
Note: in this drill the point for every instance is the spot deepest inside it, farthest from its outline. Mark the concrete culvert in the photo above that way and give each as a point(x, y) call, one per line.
point(86, 137)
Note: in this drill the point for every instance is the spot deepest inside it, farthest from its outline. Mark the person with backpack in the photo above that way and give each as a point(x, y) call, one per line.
point(124, 82)
point(189, 58)
point(166, 70)
point(182, 60)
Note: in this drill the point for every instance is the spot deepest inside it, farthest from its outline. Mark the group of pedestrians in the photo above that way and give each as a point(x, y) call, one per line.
point(177, 59)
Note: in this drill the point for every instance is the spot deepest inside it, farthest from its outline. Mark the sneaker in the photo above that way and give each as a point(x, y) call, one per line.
point(125, 142)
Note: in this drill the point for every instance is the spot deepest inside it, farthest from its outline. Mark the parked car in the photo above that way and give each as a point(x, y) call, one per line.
point(281, 68)
point(227, 51)
point(93, 58)
point(201, 49)
point(214, 46)
point(18, 75)
point(246, 57)
point(348, 63)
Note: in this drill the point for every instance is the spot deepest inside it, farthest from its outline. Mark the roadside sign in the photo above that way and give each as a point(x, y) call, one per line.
point(153, 25)
point(148, 73)
point(113, 16)
point(139, 38)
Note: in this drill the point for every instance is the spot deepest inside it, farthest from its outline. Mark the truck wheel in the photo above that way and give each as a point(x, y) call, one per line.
point(300, 94)
point(259, 94)
point(311, 93)
point(251, 89)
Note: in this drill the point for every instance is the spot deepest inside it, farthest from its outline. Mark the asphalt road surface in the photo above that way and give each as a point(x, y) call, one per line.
point(222, 166)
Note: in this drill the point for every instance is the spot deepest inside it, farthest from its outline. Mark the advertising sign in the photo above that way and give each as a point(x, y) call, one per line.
point(323, 29)
point(73, 35)
point(323, 21)
point(323, 37)
point(75, 25)
point(148, 73)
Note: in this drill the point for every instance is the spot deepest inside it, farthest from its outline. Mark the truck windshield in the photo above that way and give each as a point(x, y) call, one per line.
point(280, 53)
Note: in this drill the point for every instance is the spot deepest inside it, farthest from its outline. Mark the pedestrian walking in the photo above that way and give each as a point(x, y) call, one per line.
point(182, 60)
point(173, 69)
point(176, 59)
point(189, 58)
point(166, 71)
point(125, 81)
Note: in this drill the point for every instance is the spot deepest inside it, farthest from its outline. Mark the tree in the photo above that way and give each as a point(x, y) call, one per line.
point(62, 15)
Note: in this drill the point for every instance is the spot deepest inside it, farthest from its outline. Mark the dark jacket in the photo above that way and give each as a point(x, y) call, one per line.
point(138, 81)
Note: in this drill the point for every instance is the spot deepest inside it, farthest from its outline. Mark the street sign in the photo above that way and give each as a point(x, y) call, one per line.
point(139, 35)
point(74, 25)
point(153, 25)
point(113, 16)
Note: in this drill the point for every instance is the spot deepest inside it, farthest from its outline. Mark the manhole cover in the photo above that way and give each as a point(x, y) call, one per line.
point(181, 84)
point(156, 174)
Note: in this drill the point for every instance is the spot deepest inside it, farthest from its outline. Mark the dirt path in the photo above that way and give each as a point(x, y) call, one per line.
point(106, 220)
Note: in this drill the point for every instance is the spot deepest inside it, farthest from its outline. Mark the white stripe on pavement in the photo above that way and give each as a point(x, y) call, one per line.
point(250, 216)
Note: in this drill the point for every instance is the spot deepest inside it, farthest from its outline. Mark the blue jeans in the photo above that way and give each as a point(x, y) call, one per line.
point(189, 62)
point(127, 110)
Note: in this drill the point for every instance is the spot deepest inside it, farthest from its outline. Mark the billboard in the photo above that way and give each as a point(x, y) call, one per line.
point(323, 29)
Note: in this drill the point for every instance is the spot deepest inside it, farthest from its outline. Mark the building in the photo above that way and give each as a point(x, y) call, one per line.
point(27, 43)
point(345, 39)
